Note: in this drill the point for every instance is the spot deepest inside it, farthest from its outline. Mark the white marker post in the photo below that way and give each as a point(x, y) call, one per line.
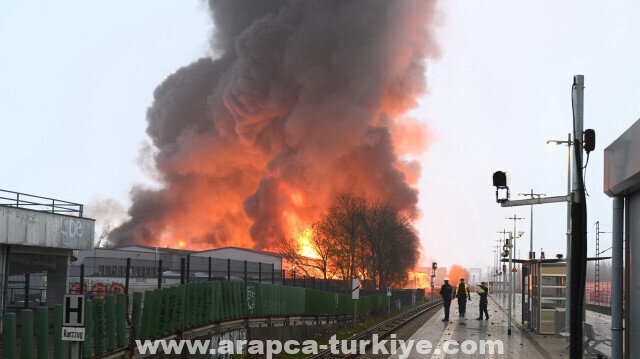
point(73, 322)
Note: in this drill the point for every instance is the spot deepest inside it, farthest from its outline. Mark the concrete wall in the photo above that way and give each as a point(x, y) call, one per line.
point(622, 180)
point(622, 163)
point(34, 228)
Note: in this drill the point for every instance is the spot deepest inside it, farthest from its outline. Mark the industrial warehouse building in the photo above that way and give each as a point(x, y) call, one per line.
point(104, 271)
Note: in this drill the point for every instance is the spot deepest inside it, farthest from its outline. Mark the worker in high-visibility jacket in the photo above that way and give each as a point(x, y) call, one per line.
point(483, 291)
point(462, 293)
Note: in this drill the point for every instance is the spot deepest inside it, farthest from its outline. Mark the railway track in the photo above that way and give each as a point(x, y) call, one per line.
point(382, 329)
point(598, 308)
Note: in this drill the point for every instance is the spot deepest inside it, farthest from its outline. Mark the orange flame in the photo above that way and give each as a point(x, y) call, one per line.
point(418, 279)
point(297, 228)
point(304, 240)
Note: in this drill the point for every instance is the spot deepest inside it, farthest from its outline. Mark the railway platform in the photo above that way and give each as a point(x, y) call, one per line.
point(469, 333)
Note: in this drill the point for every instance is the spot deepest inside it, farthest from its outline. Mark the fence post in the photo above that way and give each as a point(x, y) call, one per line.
point(27, 278)
point(188, 267)
point(245, 271)
point(273, 273)
point(110, 327)
point(259, 272)
point(81, 279)
point(209, 269)
point(126, 278)
point(9, 335)
point(26, 334)
point(182, 269)
point(42, 316)
point(228, 269)
point(135, 316)
point(98, 326)
point(159, 273)
point(121, 318)
point(145, 330)
point(58, 344)
point(87, 345)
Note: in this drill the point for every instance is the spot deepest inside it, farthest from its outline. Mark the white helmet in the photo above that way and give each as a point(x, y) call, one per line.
point(446, 279)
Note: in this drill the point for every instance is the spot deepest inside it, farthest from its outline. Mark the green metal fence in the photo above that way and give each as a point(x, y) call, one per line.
point(114, 322)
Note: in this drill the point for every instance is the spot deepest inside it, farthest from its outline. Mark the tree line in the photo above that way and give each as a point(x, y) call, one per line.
point(357, 239)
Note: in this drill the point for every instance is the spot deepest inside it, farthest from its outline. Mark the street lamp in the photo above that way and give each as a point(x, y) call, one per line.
point(568, 142)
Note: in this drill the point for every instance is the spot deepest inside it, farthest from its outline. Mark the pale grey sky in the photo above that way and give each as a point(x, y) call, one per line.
point(76, 79)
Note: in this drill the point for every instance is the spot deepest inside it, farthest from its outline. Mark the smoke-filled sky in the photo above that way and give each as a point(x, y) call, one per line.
point(303, 101)
point(257, 113)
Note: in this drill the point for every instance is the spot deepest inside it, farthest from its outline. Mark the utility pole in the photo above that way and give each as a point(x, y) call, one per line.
point(504, 272)
point(578, 252)
point(532, 195)
point(577, 236)
point(515, 233)
point(510, 241)
point(496, 258)
point(499, 275)
point(597, 264)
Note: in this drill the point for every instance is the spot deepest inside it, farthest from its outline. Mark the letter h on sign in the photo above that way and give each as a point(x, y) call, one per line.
point(73, 310)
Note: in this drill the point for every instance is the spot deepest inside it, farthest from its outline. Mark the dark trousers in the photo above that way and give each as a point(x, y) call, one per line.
point(447, 305)
point(483, 309)
point(462, 305)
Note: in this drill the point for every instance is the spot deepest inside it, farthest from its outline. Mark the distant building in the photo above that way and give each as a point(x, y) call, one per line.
point(105, 270)
point(251, 255)
point(475, 276)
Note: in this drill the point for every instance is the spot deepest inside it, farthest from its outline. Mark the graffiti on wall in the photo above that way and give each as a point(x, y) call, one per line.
point(98, 290)
point(72, 231)
point(233, 336)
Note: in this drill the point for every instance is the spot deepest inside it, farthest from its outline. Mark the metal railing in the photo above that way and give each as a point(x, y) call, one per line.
point(39, 203)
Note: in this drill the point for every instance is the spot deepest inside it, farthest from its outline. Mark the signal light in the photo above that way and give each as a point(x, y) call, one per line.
point(589, 140)
point(501, 182)
point(434, 265)
point(499, 179)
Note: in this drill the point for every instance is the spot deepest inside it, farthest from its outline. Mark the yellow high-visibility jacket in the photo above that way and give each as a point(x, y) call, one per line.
point(466, 291)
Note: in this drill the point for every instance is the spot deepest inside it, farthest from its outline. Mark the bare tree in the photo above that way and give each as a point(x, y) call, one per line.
point(341, 226)
point(392, 243)
point(291, 250)
point(373, 242)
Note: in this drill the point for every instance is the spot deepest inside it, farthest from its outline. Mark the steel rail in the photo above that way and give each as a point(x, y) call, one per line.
point(390, 325)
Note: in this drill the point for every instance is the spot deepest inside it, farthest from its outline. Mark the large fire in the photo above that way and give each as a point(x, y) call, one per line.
point(304, 240)
point(305, 101)
point(421, 277)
